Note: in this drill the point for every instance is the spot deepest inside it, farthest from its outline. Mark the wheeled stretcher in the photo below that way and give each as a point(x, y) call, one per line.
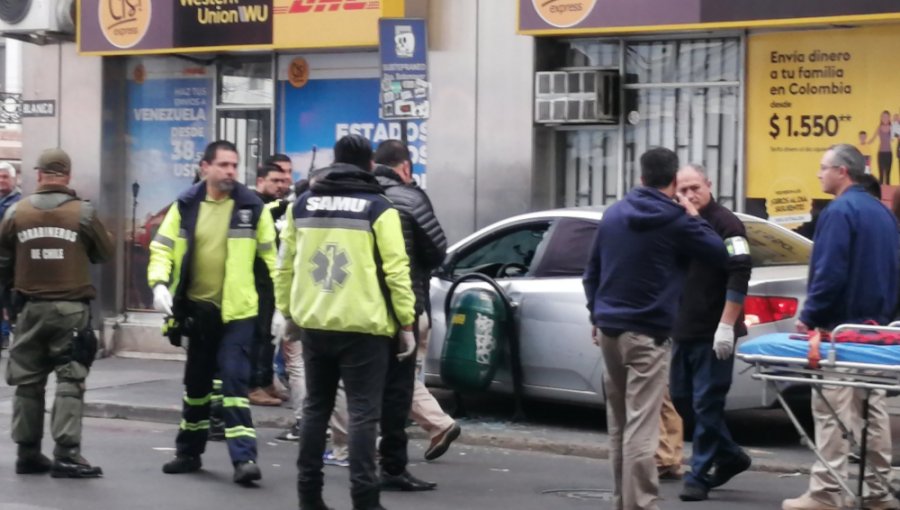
point(855, 355)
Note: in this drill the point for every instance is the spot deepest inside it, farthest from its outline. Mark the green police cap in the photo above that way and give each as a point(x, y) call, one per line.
point(54, 161)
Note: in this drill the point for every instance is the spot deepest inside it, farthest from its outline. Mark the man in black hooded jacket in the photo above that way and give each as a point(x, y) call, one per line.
point(426, 246)
point(343, 278)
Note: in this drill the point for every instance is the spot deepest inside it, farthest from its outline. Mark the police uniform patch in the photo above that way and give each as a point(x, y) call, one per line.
point(737, 246)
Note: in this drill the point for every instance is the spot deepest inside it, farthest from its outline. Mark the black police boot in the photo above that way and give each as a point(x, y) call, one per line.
point(32, 463)
point(246, 472)
point(74, 468)
point(182, 464)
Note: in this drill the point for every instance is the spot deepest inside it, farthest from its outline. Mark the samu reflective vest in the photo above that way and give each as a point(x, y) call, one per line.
point(343, 265)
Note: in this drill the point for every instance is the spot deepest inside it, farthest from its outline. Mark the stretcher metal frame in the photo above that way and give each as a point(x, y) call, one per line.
point(831, 372)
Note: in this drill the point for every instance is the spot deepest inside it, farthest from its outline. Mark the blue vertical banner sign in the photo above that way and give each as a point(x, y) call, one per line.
point(403, 47)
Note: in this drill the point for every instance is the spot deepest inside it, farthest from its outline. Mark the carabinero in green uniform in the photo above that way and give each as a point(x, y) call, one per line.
point(47, 243)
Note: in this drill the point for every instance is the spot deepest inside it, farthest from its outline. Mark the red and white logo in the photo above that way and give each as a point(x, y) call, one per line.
point(307, 6)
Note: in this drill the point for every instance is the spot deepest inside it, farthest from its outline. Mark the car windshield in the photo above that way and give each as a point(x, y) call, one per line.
point(771, 245)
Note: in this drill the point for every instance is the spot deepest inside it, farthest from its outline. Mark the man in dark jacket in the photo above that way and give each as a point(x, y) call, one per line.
point(272, 185)
point(632, 282)
point(9, 195)
point(709, 319)
point(343, 278)
point(426, 246)
point(852, 279)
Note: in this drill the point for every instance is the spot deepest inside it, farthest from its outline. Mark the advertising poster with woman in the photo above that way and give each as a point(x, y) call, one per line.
point(808, 90)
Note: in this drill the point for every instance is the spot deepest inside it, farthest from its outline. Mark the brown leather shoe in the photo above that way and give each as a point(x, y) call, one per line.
point(259, 397)
point(273, 392)
point(441, 442)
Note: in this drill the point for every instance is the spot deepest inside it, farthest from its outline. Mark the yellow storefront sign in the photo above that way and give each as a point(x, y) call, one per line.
point(812, 89)
point(331, 23)
point(110, 27)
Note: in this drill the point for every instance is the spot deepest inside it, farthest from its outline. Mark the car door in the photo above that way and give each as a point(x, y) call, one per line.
point(560, 359)
point(505, 254)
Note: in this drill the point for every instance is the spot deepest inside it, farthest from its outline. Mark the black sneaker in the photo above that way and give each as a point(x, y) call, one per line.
point(246, 473)
point(291, 434)
point(182, 464)
point(35, 465)
point(727, 471)
point(693, 493)
point(74, 468)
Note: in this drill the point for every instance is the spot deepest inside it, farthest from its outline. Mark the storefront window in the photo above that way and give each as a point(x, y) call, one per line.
point(592, 53)
point(246, 82)
point(682, 61)
point(699, 123)
point(683, 94)
point(590, 165)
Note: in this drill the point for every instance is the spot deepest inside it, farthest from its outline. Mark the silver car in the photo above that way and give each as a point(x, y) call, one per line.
point(538, 259)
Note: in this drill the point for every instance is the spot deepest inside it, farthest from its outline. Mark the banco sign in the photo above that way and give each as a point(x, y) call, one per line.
point(564, 13)
point(124, 22)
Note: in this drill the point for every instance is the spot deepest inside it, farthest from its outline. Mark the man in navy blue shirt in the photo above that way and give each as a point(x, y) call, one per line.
point(853, 278)
point(633, 282)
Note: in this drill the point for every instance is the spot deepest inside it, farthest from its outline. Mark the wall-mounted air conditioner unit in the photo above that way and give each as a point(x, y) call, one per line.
point(576, 97)
point(23, 17)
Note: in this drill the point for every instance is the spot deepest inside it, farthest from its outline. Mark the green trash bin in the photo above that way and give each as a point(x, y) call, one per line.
point(476, 336)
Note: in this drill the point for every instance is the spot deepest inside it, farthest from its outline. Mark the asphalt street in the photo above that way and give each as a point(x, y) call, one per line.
point(132, 452)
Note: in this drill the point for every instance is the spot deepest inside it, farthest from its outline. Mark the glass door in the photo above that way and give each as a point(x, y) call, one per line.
point(245, 97)
point(250, 130)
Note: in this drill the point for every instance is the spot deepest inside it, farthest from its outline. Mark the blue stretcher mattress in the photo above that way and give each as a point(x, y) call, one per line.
point(780, 345)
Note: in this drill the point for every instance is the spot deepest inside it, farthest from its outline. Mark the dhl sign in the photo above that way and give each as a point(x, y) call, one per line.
point(305, 6)
point(331, 23)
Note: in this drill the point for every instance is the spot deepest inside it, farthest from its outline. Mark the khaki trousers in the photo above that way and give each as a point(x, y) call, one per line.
point(847, 402)
point(425, 410)
point(670, 452)
point(636, 379)
point(292, 349)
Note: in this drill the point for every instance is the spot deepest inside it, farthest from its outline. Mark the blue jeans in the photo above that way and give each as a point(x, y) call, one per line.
point(700, 382)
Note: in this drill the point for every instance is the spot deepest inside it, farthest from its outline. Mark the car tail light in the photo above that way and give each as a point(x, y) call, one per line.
point(765, 309)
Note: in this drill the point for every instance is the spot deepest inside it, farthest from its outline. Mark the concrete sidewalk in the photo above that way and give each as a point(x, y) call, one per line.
point(150, 390)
